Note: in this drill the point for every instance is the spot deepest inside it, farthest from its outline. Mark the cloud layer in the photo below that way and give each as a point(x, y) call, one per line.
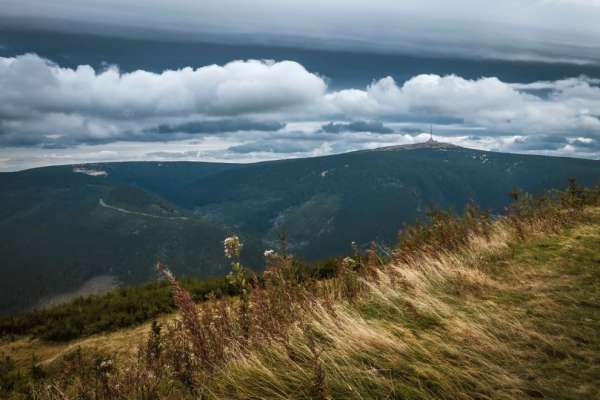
point(528, 29)
point(284, 108)
point(566, 107)
point(42, 100)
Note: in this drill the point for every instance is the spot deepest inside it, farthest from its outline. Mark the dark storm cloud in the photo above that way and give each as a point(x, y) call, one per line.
point(562, 30)
point(412, 131)
point(356, 126)
point(586, 145)
point(275, 146)
point(556, 143)
point(219, 126)
point(475, 138)
point(174, 132)
point(540, 142)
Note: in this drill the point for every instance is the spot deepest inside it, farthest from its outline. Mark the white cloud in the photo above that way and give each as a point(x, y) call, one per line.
point(488, 102)
point(44, 105)
point(35, 84)
point(39, 98)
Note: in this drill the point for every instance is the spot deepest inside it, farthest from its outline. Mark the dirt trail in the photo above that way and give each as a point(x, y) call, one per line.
point(124, 211)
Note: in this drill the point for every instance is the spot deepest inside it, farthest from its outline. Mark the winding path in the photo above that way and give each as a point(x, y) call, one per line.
point(124, 211)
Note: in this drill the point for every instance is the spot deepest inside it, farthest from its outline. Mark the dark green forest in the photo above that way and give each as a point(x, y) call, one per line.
point(60, 228)
point(130, 306)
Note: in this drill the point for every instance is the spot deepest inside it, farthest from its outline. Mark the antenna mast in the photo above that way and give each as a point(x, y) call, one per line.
point(431, 133)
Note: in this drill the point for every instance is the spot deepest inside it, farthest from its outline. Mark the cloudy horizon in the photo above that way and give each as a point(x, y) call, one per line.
point(75, 97)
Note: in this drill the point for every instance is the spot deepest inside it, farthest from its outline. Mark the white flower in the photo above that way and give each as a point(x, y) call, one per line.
point(232, 246)
point(106, 364)
point(270, 253)
point(168, 274)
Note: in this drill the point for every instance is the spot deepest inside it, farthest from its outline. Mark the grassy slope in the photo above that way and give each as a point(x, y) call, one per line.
point(503, 320)
point(557, 293)
point(122, 343)
point(506, 319)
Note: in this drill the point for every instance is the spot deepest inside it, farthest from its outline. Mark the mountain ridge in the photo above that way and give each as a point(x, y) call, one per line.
point(430, 144)
point(51, 219)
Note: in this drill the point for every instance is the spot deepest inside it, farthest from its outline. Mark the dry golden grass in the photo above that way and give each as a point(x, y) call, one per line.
point(123, 344)
point(499, 318)
point(452, 326)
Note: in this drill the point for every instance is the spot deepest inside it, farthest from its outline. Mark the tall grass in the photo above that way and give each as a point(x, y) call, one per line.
point(379, 328)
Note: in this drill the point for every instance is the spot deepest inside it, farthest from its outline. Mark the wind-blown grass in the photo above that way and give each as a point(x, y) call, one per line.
point(465, 308)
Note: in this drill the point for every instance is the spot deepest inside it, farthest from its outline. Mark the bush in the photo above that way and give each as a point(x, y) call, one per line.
point(13, 381)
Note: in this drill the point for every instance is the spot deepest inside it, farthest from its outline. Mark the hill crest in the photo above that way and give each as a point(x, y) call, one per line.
point(430, 144)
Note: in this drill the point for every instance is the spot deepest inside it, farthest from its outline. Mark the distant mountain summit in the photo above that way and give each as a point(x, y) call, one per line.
point(430, 144)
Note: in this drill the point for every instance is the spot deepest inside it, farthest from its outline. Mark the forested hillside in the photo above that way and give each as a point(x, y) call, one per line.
point(62, 228)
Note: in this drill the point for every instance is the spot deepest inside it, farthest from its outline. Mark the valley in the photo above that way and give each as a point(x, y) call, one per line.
point(65, 225)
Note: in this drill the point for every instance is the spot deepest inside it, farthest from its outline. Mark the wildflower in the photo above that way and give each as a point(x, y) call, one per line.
point(270, 254)
point(232, 246)
point(165, 272)
point(105, 365)
point(348, 262)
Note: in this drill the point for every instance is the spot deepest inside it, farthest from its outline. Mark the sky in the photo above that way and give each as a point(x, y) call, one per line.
point(236, 81)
